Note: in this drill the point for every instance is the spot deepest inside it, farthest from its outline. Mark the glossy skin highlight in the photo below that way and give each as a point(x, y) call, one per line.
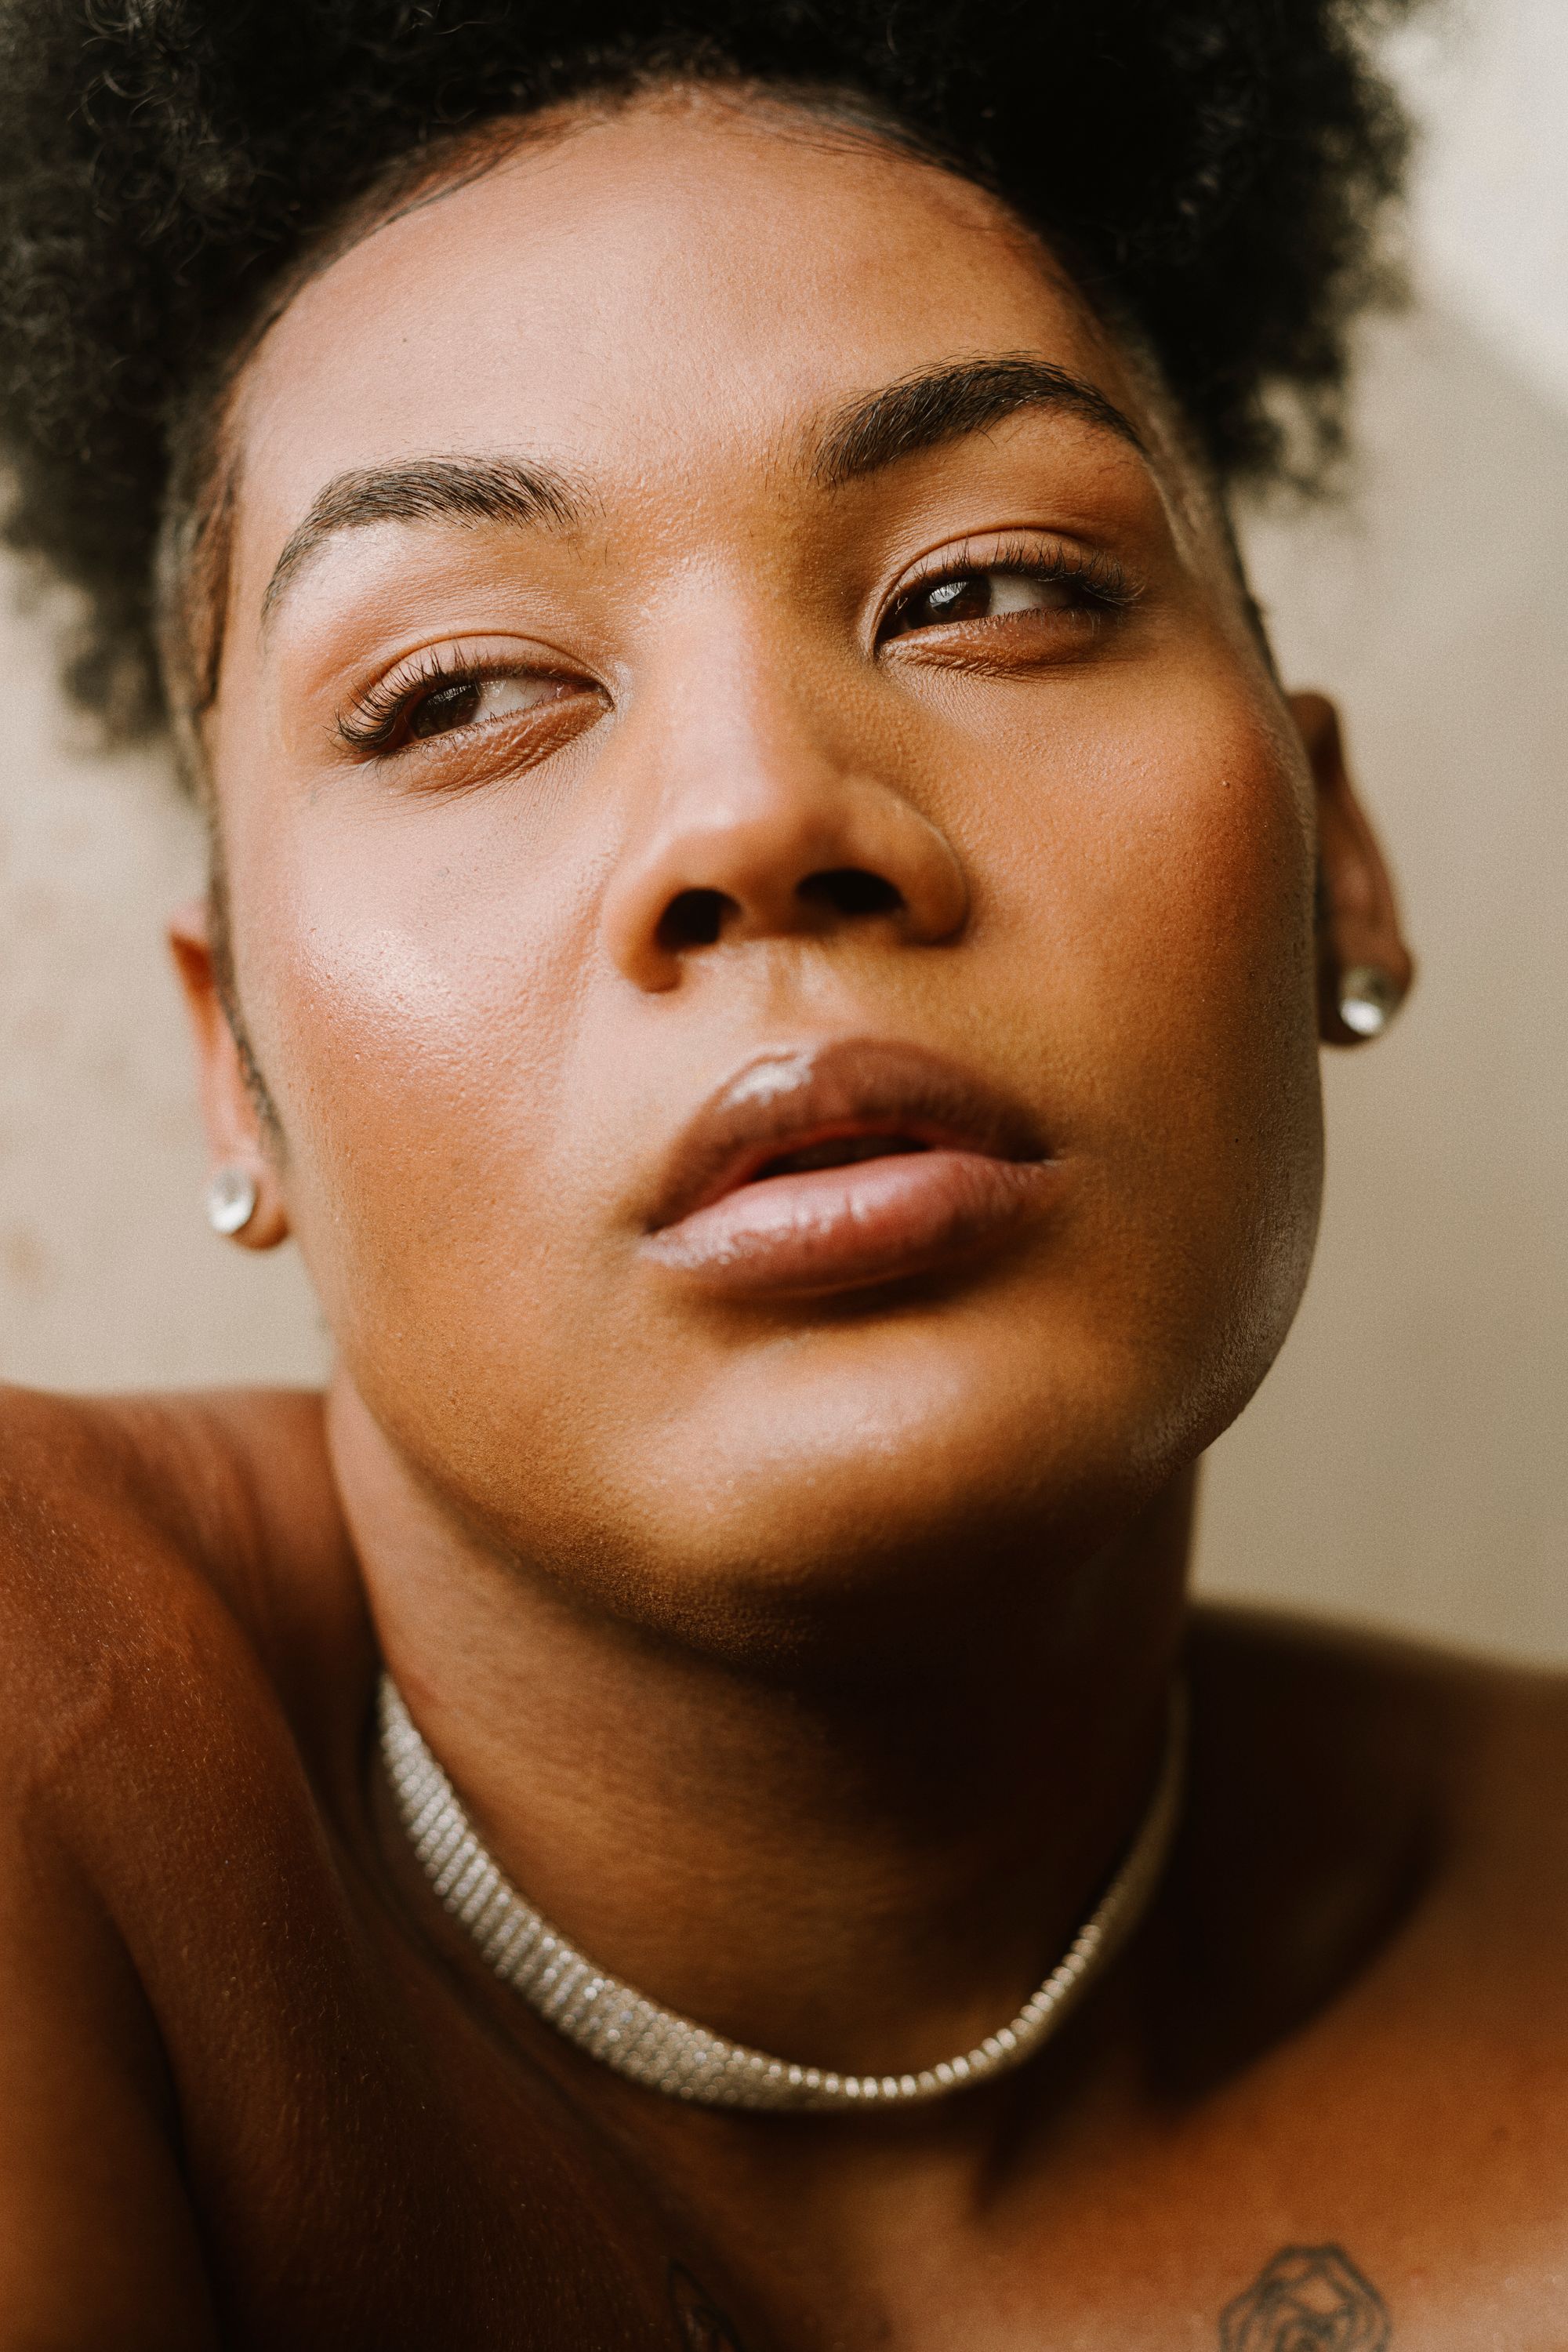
point(799, 1639)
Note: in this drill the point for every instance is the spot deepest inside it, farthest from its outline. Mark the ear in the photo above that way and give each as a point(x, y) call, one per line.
point(235, 1137)
point(1358, 917)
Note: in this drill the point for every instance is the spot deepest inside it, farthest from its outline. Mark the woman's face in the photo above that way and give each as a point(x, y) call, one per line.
point(647, 721)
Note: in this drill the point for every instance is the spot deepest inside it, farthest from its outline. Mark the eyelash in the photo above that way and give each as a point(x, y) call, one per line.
point(1103, 586)
point(372, 723)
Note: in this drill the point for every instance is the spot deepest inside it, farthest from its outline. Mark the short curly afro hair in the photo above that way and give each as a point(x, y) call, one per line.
point(1216, 172)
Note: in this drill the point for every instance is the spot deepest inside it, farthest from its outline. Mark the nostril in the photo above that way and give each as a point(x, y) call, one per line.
point(700, 918)
point(851, 890)
point(695, 919)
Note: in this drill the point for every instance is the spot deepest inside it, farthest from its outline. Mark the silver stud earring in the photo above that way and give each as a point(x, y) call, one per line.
point(231, 1200)
point(1369, 999)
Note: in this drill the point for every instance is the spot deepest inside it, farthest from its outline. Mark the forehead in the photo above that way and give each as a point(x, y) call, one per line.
point(682, 287)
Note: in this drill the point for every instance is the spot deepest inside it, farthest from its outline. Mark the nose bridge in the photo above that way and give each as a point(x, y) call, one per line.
point(748, 751)
point(766, 806)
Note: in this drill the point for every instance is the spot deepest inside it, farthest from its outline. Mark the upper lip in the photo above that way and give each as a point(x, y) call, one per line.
point(790, 1097)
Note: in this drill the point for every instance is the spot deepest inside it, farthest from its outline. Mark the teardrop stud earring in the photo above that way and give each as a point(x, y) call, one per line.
point(231, 1200)
point(1369, 997)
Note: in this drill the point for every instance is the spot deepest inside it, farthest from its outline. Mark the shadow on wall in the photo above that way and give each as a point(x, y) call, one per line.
point(1405, 1462)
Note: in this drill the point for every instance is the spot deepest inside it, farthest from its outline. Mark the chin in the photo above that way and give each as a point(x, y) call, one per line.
point(835, 1472)
point(767, 1473)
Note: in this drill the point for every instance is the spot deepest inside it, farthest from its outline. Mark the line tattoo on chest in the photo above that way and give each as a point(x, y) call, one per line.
point(1308, 2299)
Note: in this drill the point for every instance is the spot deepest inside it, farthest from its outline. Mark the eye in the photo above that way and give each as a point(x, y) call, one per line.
point(980, 596)
point(448, 693)
point(1019, 584)
point(480, 702)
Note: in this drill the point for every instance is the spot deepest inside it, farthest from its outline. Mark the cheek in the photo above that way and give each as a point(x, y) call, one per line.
point(1152, 898)
point(1157, 854)
point(410, 991)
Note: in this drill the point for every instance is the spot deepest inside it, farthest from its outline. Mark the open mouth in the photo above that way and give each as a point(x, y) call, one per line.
point(836, 1151)
point(840, 1165)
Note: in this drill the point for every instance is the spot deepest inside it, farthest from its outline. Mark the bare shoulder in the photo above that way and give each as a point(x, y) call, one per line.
point(1484, 1737)
point(150, 1544)
point(1361, 1985)
point(188, 1879)
point(180, 1626)
point(134, 1634)
point(1441, 1775)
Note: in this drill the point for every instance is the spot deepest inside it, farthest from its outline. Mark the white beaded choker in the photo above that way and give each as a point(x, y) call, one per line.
point(668, 2052)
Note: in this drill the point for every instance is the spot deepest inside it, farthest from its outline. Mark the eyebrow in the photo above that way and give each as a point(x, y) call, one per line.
point(445, 489)
point(920, 412)
point(938, 405)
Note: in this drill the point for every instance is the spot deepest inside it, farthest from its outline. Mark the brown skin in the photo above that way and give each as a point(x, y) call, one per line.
point(805, 1660)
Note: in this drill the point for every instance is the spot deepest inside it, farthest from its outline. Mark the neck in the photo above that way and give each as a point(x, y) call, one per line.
point(862, 1848)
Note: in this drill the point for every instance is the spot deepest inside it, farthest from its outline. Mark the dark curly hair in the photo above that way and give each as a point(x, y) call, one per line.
point(1216, 171)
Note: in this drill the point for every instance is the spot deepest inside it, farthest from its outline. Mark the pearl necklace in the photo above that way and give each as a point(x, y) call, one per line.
point(668, 2052)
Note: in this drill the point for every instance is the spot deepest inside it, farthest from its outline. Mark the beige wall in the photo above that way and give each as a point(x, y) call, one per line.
point(1406, 1460)
point(109, 1276)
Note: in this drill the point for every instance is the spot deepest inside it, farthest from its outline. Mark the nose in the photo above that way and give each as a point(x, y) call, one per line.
point(763, 831)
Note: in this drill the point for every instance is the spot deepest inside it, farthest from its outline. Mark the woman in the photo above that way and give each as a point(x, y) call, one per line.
point(770, 930)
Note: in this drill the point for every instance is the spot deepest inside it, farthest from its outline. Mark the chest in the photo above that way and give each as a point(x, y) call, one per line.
point(375, 2162)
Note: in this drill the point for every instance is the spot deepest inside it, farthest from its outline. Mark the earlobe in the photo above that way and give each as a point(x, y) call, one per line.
point(242, 1198)
point(1364, 968)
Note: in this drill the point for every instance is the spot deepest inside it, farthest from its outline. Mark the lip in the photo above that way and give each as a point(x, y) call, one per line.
point(964, 1165)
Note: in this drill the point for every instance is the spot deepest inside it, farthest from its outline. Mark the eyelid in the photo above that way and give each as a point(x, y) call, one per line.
point(1048, 554)
point(369, 720)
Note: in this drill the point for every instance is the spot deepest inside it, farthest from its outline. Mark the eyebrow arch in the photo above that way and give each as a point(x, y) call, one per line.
point(441, 490)
point(944, 403)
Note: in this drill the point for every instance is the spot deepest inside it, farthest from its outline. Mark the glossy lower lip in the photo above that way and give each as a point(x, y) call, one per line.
point(845, 1228)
